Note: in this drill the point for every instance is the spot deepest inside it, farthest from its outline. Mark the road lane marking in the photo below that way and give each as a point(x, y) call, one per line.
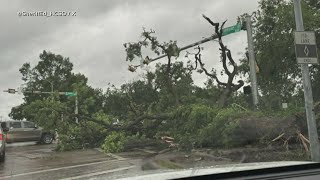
point(99, 149)
point(116, 156)
point(56, 169)
point(111, 154)
point(99, 173)
point(147, 151)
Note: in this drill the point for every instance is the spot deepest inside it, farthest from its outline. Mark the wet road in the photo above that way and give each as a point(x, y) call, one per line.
point(31, 161)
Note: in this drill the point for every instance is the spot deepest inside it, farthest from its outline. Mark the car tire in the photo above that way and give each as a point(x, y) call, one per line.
point(3, 157)
point(47, 139)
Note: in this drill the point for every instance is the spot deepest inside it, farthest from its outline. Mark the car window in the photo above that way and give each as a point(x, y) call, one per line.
point(3, 124)
point(28, 125)
point(15, 124)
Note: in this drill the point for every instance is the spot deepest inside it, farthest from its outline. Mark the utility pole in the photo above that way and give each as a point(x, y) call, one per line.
point(51, 83)
point(76, 109)
point(52, 98)
point(52, 92)
point(252, 62)
point(308, 98)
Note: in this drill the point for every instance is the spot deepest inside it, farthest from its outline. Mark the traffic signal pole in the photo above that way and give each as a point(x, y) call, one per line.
point(252, 63)
point(76, 109)
point(13, 91)
point(308, 98)
point(214, 36)
point(226, 31)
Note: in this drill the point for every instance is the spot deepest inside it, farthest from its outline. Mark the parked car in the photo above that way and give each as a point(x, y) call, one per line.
point(24, 131)
point(3, 131)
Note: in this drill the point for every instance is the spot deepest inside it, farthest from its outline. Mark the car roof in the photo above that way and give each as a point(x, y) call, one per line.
point(9, 121)
point(14, 121)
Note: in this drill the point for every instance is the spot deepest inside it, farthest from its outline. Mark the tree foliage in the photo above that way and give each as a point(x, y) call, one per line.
point(166, 101)
point(54, 111)
point(279, 78)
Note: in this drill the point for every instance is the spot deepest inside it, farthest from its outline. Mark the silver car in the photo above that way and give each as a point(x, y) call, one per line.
point(3, 143)
point(24, 131)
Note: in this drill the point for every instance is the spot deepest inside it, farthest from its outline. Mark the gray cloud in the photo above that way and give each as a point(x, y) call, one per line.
point(93, 40)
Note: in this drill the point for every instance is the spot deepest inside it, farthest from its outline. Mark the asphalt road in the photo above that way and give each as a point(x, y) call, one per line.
point(26, 161)
point(31, 161)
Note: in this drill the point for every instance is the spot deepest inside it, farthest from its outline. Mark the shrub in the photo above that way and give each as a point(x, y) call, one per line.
point(199, 125)
point(215, 133)
point(187, 123)
point(86, 134)
point(67, 143)
point(118, 141)
point(135, 140)
point(114, 142)
point(236, 127)
point(69, 138)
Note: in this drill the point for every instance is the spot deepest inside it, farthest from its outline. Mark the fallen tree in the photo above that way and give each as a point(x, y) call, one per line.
point(227, 87)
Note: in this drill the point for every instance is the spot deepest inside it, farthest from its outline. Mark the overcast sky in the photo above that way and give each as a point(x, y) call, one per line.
point(93, 38)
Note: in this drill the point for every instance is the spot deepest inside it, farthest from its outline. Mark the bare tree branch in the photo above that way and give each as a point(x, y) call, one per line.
point(198, 59)
point(225, 55)
point(224, 61)
point(230, 58)
point(209, 20)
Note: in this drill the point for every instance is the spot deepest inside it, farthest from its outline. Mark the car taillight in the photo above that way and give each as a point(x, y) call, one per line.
point(1, 137)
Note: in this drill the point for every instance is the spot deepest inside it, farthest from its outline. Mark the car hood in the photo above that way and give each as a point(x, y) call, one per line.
point(214, 170)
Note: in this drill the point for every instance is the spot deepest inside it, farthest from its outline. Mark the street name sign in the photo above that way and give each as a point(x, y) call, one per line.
point(306, 47)
point(231, 29)
point(70, 93)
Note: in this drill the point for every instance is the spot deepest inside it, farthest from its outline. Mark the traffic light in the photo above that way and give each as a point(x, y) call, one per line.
point(244, 25)
point(132, 68)
point(247, 89)
point(146, 61)
point(11, 91)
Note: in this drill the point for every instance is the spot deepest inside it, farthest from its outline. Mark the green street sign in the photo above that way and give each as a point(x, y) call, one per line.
point(70, 93)
point(231, 29)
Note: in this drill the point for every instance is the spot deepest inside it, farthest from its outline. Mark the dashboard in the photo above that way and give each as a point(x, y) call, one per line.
point(294, 172)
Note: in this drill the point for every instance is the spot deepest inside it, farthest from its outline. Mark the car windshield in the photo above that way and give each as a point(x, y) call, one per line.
point(116, 89)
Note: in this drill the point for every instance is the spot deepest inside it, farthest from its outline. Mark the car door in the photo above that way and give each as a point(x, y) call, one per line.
point(32, 133)
point(15, 133)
